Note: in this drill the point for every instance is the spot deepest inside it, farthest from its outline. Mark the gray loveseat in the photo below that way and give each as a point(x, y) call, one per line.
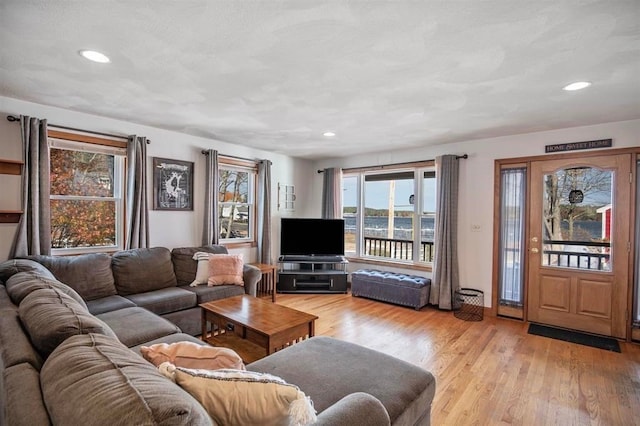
point(63, 364)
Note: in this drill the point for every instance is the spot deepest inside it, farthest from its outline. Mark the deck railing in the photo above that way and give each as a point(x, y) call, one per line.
point(561, 255)
point(397, 249)
point(595, 260)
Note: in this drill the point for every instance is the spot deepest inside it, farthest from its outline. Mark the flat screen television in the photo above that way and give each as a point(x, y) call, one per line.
point(311, 237)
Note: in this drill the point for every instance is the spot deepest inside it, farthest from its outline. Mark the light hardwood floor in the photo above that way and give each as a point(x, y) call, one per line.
point(489, 372)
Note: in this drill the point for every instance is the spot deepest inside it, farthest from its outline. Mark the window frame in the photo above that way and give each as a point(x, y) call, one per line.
point(87, 143)
point(236, 164)
point(419, 169)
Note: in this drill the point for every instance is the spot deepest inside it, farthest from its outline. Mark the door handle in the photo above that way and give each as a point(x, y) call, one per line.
point(534, 250)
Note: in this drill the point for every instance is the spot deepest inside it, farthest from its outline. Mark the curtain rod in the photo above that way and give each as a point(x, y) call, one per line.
point(458, 157)
point(204, 151)
point(13, 118)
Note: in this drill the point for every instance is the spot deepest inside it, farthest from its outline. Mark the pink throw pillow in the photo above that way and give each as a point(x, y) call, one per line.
point(192, 355)
point(225, 269)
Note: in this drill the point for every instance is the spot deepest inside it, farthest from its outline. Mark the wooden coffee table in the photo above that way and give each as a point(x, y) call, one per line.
point(252, 327)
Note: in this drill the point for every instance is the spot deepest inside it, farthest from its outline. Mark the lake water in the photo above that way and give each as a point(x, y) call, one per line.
point(376, 226)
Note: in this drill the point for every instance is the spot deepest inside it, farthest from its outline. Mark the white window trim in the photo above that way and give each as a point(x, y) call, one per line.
point(251, 168)
point(418, 182)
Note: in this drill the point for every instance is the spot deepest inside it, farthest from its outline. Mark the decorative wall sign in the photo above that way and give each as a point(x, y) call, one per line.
point(172, 184)
point(574, 146)
point(286, 197)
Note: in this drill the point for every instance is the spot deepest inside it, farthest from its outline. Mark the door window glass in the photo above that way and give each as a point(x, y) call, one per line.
point(577, 224)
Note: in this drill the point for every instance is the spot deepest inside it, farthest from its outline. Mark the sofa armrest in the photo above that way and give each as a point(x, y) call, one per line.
point(251, 276)
point(358, 408)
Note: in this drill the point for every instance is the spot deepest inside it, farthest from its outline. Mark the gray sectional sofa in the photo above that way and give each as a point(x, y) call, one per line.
point(70, 335)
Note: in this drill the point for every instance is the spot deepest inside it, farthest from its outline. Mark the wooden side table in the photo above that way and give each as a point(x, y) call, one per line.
point(267, 284)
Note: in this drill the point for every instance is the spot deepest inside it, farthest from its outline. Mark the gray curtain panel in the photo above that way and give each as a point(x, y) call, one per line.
point(33, 235)
point(210, 229)
point(445, 265)
point(137, 227)
point(264, 211)
point(331, 193)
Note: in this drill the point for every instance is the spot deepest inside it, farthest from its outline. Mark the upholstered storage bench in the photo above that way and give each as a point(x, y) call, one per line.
point(392, 287)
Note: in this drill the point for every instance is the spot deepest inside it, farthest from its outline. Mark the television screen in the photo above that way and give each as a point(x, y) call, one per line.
point(306, 237)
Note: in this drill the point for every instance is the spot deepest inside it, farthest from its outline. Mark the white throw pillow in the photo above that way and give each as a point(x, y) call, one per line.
point(202, 273)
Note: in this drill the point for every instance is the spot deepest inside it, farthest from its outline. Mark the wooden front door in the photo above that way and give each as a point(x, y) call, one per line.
point(579, 278)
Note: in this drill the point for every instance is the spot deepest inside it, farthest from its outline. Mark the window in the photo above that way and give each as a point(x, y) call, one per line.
point(87, 186)
point(511, 250)
point(390, 214)
point(236, 201)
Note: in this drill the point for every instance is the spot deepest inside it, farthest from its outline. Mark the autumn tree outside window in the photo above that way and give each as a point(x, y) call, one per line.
point(87, 193)
point(236, 201)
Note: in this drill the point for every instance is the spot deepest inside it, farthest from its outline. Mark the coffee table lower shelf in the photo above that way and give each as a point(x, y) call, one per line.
point(248, 351)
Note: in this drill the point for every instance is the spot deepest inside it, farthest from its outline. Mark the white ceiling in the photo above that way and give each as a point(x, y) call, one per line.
point(382, 75)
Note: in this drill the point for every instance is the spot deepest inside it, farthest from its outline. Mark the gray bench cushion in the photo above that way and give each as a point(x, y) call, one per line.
point(328, 369)
point(392, 287)
point(134, 326)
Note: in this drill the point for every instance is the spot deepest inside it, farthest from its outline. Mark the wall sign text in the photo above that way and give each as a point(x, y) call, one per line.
point(574, 146)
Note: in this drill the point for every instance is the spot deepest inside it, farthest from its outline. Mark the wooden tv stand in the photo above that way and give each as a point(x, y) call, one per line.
point(312, 274)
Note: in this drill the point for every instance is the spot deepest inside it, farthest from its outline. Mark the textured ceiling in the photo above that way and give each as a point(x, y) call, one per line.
point(275, 75)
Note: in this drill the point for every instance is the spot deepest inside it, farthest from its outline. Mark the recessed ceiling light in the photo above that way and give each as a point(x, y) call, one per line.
point(329, 134)
point(576, 86)
point(94, 56)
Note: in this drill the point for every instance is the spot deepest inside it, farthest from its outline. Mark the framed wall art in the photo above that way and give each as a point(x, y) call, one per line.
point(172, 184)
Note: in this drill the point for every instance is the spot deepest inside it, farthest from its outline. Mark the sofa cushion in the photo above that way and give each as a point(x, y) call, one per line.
point(141, 270)
point(23, 404)
point(359, 408)
point(237, 397)
point(13, 266)
point(5, 300)
point(15, 347)
point(108, 304)
point(50, 317)
point(225, 269)
point(165, 300)
point(185, 266)
point(207, 294)
point(113, 386)
point(88, 274)
point(134, 326)
point(23, 283)
point(405, 390)
point(192, 355)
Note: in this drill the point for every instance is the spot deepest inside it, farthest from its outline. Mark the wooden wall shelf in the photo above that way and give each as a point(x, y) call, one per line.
point(10, 216)
point(10, 167)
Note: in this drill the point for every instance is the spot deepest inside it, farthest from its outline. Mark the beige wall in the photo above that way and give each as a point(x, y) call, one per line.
point(168, 228)
point(476, 184)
